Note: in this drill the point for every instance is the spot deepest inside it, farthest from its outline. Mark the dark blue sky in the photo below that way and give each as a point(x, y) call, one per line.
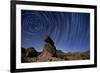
point(70, 31)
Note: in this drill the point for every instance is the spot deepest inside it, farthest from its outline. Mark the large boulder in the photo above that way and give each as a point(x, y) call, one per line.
point(31, 52)
point(49, 49)
point(28, 55)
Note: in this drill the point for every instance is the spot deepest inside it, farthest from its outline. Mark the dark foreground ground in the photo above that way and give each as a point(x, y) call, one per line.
point(29, 56)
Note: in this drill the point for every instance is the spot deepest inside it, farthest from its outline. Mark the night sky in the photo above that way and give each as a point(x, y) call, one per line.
point(69, 30)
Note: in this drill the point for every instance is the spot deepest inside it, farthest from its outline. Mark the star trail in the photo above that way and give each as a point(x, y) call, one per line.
point(69, 30)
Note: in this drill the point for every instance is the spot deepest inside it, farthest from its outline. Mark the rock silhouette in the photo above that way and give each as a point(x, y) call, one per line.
point(31, 52)
point(49, 49)
point(28, 55)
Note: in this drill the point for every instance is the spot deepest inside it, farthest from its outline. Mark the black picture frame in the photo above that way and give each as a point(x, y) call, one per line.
point(13, 35)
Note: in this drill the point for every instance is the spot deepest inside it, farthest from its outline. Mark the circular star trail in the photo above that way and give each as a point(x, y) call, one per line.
point(69, 31)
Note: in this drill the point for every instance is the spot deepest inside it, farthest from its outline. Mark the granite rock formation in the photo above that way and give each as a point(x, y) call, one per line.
point(31, 52)
point(28, 55)
point(49, 49)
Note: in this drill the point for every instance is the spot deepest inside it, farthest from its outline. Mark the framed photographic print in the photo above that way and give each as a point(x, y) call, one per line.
point(52, 36)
